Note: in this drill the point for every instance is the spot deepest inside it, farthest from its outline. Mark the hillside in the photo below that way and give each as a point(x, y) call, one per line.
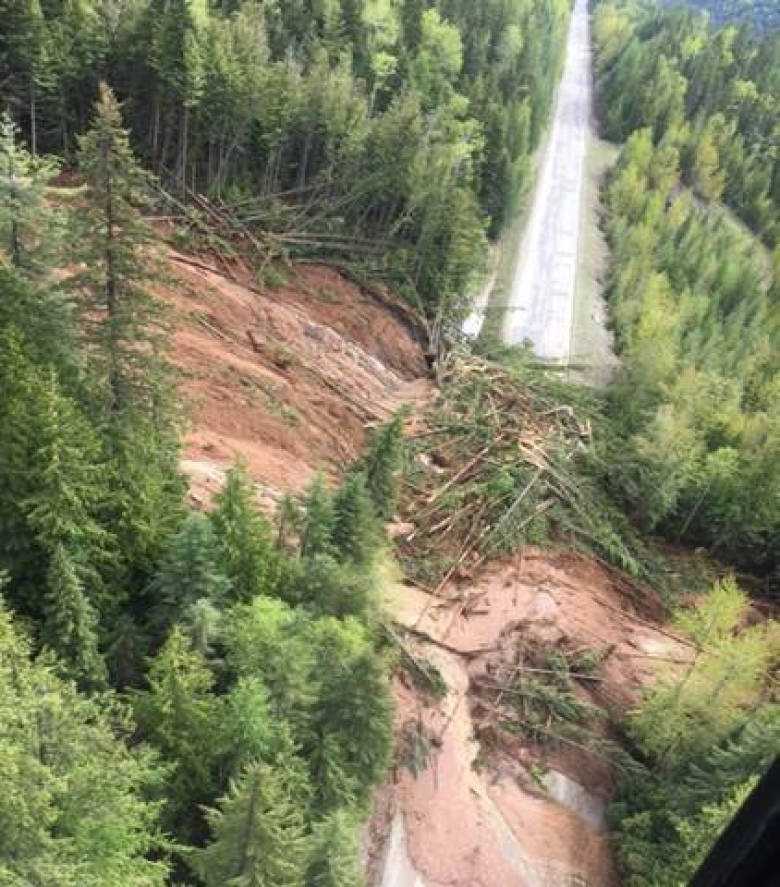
point(308, 578)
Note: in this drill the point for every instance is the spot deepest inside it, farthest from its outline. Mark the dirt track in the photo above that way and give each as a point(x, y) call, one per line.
point(541, 301)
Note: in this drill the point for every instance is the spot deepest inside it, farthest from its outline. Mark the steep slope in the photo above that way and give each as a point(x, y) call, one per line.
point(288, 378)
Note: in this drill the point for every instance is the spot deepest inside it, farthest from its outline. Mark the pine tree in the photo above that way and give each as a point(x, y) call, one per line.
point(52, 488)
point(351, 714)
point(317, 519)
point(180, 716)
point(70, 626)
point(123, 321)
point(247, 554)
point(258, 835)
point(381, 464)
point(335, 852)
point(27, 222)
point(74, 802)
point(189, 572)
point(356, 535)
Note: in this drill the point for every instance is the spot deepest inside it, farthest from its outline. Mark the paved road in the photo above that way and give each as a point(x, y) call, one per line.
point(541, 301)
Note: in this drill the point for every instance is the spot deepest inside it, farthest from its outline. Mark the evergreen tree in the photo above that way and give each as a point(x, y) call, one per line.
point(335, 859)
point(27, 222)
point(180, 716)
point(350, 717)
point(381, 464)
point(258, 835)
point(189, 572)
point(123, 322)
point(73, 808)
point(70, 624)
point(317, 525)
point(51, 488)
point(356, 534)
point(247, 552)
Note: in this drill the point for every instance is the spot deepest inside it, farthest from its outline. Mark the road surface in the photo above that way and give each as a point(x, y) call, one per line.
point(541, 299)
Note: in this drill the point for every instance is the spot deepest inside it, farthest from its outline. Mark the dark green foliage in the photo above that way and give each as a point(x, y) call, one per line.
point(331, 588)
point(121, 320)
point(180, 716)
point(73, 809)
point(70, 623)
point(356, 533)
point(27, 224)
point(405, 128)
point(350, 716)
point(317, 521)
point(190, 571)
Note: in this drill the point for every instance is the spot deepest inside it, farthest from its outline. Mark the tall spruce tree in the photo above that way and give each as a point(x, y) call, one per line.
point(258, 835)
point(27, 221)
point(74, 803)
point(248, 555)
point(70, 624)
point(180, 716)
point(335, 859)
point(356, 536)
point(315, 536)
point(381, 464)
point(190, 571)
point(123, 321)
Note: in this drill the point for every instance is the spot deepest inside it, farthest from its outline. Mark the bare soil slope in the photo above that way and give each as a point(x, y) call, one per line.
point(288, 378)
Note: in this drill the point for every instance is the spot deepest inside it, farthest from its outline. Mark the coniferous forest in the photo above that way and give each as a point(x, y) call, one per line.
point(204, 698)
point(692, 450)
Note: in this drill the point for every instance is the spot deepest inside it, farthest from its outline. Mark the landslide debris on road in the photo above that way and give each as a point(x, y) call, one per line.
point(496, 804)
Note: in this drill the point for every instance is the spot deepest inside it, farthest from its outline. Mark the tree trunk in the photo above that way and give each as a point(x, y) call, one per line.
point(112, 306)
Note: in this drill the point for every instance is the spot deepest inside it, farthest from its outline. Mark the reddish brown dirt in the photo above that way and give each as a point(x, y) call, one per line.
point(497, 826)
point(289, 379)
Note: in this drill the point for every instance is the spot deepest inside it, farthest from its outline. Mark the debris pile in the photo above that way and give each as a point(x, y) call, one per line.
point(500, 461)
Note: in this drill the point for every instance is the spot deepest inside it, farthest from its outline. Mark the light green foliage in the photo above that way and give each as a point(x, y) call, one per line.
point(258, 835)
point(694, 415)
point(657, 68)
point(28, 225)
point(335, 853)
point(685, 713)
point(73, 811)
point(708, 733)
